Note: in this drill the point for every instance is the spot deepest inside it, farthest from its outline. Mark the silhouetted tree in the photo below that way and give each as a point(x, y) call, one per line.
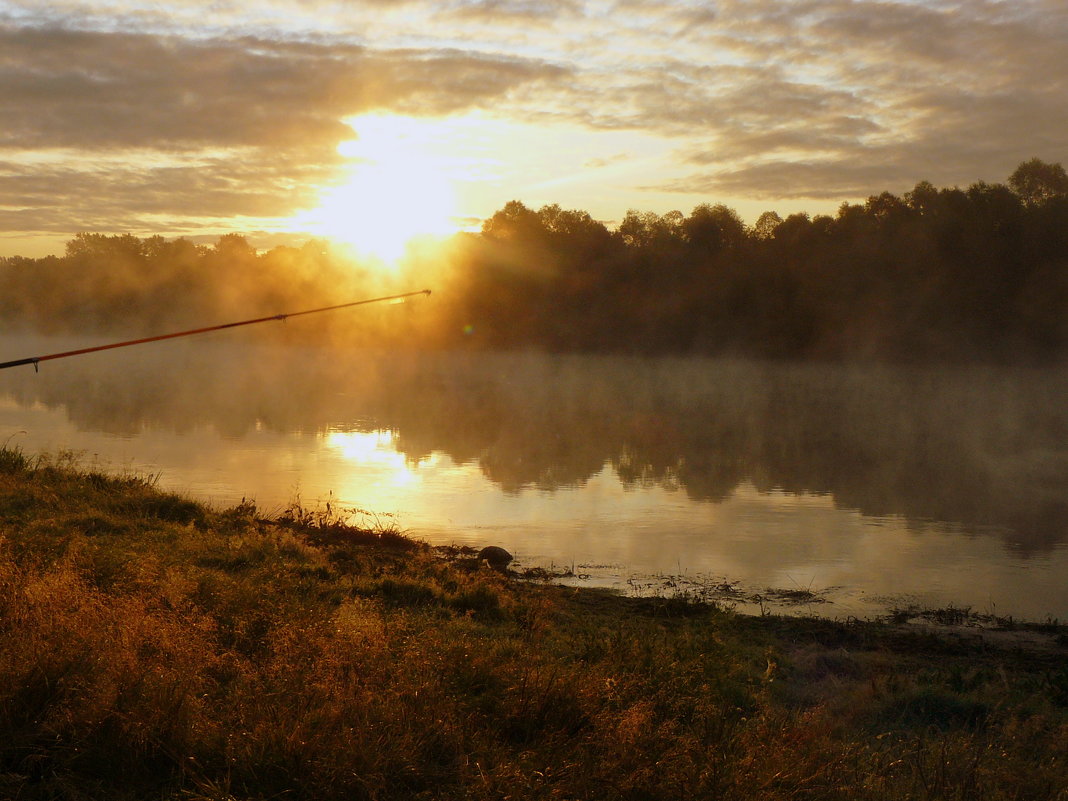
point(1036, 181)
point(766, 224)
point(234, 246)
point(103, 246)
point(514, 222)
point(923, 199)
point(887, 208)
point(936, 273)
point(710, 229)
point(651, 230)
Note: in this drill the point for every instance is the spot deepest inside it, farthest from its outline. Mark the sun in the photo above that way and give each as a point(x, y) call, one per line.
point(398, 188)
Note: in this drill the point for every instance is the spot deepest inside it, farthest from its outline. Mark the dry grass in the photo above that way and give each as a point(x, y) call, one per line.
point(152, 648)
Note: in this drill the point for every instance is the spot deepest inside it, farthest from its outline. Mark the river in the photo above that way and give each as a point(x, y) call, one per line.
point(870, 486)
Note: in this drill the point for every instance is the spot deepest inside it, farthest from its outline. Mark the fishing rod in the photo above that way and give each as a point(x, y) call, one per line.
point(34, 360)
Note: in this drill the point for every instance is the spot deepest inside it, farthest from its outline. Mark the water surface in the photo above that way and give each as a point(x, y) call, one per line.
point(879, 486)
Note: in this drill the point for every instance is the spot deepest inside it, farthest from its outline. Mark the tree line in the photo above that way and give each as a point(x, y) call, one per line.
point(934, 274)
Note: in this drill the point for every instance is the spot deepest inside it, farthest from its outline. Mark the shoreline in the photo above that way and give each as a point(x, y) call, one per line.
point(788, 519)
point(952, 621)
point(781, 602)
point(152, 647)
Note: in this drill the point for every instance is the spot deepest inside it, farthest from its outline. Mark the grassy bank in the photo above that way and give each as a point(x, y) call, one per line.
point(154, 648)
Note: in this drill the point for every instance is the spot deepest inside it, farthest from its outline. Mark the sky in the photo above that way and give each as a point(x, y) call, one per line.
point(362, 118)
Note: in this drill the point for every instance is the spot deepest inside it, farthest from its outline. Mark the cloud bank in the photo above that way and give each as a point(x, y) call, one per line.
point(124, 115)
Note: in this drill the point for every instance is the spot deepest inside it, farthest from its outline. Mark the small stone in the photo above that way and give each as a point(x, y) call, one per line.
point(496, 557)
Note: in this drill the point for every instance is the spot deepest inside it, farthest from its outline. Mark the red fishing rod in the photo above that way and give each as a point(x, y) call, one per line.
point(34, 360)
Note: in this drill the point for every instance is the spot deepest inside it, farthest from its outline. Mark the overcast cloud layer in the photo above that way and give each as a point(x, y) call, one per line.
point(123, 115)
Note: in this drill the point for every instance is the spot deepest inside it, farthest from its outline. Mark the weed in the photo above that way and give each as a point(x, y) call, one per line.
point(13, 460)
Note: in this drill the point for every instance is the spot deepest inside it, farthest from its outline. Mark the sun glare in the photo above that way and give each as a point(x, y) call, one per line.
point(377, 449)
point(399, 188)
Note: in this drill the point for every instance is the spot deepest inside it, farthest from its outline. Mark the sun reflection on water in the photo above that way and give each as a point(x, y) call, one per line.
point(377, 450)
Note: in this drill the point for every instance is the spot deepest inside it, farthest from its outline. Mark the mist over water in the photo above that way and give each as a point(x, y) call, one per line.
point(884, 485)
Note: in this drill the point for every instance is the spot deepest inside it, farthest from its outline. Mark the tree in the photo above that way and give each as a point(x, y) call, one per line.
point(181, 250)
point(575, 237)
point(794, 229)
point(853, 221)
point(886, 207)
point(995, 208)
point(571, 223)
point(1036, 181)
point(123, 246)
point(514, 222)
point(766, 225)
point(923, 199)
point(648, 229)
point(234, 246)
point(713, 228)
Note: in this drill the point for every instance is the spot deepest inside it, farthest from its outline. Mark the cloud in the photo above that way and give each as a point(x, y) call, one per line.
point(148, 196)
point(193, 127)
point(840, 99)
point(762, 99)
point(523, 11)
point(606, 161)
point(111, 90)
point(778, 180)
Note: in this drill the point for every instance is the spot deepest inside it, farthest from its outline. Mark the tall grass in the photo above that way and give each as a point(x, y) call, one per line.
point(153, 648)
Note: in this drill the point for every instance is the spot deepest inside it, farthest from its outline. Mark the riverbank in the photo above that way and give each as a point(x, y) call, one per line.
point(153, 647)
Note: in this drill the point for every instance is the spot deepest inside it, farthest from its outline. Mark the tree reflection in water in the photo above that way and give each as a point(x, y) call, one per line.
point(985, 448)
